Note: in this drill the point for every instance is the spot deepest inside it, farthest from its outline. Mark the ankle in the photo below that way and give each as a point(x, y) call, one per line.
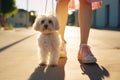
point(83, 44)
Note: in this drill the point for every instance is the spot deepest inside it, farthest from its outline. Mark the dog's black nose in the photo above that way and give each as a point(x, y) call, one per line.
point(45, 26)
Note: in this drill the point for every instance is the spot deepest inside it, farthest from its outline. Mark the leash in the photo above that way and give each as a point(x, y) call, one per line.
point(46, 6)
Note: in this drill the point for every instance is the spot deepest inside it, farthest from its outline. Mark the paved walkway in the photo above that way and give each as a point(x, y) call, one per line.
point(11, 37)
point(20, 60)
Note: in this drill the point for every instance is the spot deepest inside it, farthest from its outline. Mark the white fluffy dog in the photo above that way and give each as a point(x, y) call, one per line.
point(49, 40)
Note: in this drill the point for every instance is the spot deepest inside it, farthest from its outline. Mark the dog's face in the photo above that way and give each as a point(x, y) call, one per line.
point(46, 24)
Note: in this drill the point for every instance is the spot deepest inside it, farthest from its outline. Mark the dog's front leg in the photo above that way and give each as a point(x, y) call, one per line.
point(54, 57)
point(43, 56)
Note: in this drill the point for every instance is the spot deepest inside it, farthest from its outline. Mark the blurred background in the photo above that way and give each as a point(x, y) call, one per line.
point(17, 13)
point(18, 47)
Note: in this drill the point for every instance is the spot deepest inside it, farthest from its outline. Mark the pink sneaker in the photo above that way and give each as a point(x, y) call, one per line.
point(85, 55)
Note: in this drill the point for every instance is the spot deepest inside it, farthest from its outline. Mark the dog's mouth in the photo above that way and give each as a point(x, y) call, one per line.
point(47, 31)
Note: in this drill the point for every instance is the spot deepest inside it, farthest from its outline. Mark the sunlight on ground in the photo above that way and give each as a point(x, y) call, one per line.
point(71, 35)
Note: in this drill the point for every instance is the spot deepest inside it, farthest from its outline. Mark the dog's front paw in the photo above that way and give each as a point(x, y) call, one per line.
point(42, 64)
point(53, 65)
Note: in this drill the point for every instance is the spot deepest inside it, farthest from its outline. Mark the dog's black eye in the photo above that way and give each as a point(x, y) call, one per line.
point(50, 21)
point(42, 21)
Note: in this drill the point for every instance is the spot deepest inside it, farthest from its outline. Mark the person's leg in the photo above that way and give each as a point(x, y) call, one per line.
point(85, 17)
point(62, 15)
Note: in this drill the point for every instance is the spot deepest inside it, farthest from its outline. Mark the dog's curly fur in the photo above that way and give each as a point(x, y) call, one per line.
point(49, 40)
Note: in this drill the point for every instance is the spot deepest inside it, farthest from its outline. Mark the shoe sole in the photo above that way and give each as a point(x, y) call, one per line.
point(87, 62)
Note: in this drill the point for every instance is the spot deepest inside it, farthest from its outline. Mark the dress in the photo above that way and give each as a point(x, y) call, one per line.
point(74, 4)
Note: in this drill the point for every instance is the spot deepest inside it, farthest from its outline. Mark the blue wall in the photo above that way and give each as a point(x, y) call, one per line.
point(101, 15)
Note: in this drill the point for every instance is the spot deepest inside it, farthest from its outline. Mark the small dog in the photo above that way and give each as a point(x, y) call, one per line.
point(49, 41)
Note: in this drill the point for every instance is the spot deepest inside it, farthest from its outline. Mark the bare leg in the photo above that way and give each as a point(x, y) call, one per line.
point(62, 15)
point(85, 17)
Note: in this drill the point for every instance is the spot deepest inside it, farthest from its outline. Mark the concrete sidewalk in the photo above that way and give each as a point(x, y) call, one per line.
point(21, 62)
point(11, 37)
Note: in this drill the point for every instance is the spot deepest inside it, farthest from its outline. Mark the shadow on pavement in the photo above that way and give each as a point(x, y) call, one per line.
point(94, 71)
point(49, 73)
point(9, 45)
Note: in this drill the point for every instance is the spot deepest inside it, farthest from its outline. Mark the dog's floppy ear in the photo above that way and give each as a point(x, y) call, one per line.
point(56, 23)
point(36, 24)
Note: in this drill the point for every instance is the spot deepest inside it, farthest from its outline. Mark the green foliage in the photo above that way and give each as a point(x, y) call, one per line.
point(8, 7)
